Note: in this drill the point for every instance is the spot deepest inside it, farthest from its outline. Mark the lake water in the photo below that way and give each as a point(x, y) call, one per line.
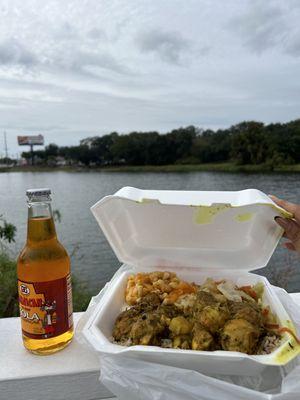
point(75, 192)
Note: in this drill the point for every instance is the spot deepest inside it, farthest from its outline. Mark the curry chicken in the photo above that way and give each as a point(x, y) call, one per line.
point(217, 315)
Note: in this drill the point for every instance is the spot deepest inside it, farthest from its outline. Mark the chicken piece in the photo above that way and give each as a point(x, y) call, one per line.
point(248, 311)
point(201, 338)
point(167, 312)
point(213, 318)
point(240, 335)
point(203, 299)
point(182, 342)
point(124, 322)
point(146, 329)
point(127, 318)
point(180, 326)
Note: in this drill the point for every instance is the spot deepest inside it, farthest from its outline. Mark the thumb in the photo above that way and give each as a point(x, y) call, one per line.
point(290, 207)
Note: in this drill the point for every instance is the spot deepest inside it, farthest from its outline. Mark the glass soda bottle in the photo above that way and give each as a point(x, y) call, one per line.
point(44, 282)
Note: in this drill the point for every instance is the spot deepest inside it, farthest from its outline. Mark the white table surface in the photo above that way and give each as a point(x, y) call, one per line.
point(72, 373)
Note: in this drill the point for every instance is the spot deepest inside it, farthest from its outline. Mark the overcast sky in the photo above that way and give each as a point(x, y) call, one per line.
point(73, 69)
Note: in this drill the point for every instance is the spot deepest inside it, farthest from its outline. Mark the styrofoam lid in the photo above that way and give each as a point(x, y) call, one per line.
point(228, 230)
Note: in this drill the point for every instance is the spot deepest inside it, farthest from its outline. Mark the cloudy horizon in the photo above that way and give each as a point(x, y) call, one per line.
point(74, 69)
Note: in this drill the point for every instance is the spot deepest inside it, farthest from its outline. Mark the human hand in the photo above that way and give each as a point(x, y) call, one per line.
point(291, 226)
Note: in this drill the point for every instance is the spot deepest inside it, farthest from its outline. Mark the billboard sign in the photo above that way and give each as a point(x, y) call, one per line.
point(31, 140)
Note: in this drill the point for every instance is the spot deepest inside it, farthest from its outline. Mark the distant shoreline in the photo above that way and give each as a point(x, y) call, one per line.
point(211, 167)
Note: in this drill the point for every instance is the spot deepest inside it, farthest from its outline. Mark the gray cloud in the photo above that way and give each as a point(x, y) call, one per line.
point(293, 46)
point(66, 31)
point(79, 56)
point(261, 27)
point(268, 26)
point(82, 60)
point(12, 52)
point(168, 45)
point(97, 34)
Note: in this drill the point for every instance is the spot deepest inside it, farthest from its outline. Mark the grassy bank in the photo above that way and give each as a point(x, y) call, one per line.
point(211, 167)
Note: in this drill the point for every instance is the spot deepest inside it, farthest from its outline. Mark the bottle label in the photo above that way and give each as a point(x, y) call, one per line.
point(46, 308)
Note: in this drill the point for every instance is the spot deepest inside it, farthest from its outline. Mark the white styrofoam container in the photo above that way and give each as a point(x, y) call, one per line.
point(197, 235)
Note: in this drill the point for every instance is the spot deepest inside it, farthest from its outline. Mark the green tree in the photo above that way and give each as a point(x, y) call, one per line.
point(102, 148)
point(249, 144)
point(51, 150)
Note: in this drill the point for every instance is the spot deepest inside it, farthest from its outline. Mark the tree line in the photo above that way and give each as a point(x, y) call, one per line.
point(248, 142)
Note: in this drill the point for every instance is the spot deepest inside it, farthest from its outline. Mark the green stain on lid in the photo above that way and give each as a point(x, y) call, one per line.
point(244, 217)
point(206, 214)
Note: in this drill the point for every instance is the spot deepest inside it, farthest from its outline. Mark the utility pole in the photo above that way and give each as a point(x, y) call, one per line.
point(32, 154)
point(5, 148)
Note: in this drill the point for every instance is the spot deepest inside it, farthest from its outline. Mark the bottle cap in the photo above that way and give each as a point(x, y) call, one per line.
point(38, 194)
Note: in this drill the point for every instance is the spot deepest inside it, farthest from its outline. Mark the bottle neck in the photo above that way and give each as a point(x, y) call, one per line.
point(40, 222)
